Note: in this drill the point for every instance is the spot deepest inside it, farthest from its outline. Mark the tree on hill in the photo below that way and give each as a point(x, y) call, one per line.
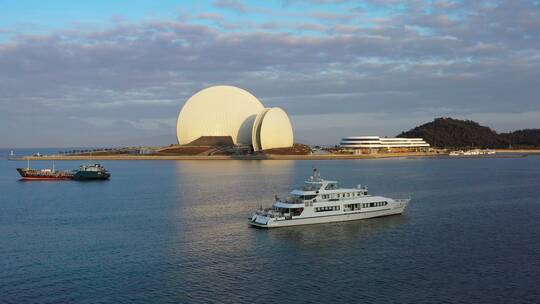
point(455, 133)
point(528, 138)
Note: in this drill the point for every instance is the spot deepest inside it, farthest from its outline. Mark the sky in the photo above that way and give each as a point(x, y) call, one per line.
point(116, 73)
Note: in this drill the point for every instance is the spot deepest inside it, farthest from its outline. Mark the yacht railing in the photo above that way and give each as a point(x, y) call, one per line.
point(402, 200)
point(272, 213)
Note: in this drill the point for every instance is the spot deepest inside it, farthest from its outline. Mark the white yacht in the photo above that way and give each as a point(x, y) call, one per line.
point(323, 201)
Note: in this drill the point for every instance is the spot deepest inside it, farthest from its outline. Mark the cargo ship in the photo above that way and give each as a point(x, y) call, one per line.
point(44, 174)
point(85, 172)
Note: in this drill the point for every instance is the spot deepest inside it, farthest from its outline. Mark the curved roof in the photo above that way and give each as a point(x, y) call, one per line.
point(218, 111)
point(275, 130)
point(256, 131)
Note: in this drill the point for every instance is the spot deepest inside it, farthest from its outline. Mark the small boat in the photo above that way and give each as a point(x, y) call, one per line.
point(91, 172)
point(323, 201)
point(475, 152)
point(44, 174)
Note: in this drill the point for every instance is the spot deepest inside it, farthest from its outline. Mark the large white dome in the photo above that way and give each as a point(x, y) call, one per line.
point(218, 111)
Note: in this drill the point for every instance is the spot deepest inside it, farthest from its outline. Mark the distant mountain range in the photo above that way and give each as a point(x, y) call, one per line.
point(456, 133)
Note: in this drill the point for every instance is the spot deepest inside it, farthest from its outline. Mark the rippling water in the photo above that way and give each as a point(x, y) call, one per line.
point(177, 232)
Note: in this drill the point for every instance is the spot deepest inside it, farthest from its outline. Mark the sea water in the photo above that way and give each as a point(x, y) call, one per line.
point(177, 232)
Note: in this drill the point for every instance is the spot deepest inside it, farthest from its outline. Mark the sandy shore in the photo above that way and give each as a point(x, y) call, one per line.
point(526, 151)
point(223, 157)
point(522, 152)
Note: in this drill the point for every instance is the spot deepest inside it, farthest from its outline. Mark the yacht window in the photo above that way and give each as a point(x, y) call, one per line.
point(312, 187)
point(324, 209)
point(330, 186)
point(353, 207)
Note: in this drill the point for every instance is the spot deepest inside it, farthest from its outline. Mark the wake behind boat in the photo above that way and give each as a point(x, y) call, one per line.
point(323, 201)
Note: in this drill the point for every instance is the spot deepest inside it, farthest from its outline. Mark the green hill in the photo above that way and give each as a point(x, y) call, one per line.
point(527, 138)
point(455, 133)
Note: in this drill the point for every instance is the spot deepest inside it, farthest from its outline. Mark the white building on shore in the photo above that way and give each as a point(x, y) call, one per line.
point(222, 114)
point(376, 144)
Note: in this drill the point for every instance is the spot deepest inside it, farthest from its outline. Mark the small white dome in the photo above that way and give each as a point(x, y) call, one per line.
point(272, 129)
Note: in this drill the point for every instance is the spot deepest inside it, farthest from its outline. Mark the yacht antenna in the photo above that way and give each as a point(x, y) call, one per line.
point(53, 166)
point(316, 175)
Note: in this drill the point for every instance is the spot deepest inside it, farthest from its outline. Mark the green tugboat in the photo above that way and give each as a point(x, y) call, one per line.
point(91, 172)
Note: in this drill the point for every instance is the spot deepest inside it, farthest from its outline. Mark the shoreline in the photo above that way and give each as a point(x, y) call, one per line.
point(527, 151)
point(522, 153)
point(226, 157)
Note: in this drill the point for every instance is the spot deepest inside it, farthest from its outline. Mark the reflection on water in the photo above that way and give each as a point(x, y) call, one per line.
point(177, 232)
point(219, 189)
point(213, 238)
point(313, 236)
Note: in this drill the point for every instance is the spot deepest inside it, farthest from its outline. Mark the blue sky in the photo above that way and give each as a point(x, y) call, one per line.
point(38, 17)
point(119, 71)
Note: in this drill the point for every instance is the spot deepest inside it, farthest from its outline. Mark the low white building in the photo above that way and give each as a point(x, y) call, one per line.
point(375, 144)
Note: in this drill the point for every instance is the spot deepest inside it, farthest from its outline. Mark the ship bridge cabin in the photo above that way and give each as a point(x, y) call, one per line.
point(316, 191)
point(319, 190)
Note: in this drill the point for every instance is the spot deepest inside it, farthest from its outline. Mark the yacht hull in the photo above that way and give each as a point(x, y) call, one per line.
point(263, 222)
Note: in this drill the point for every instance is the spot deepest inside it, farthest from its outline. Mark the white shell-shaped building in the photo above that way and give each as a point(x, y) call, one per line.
point(272, 129)
point(218, 111)
point(230, 111)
